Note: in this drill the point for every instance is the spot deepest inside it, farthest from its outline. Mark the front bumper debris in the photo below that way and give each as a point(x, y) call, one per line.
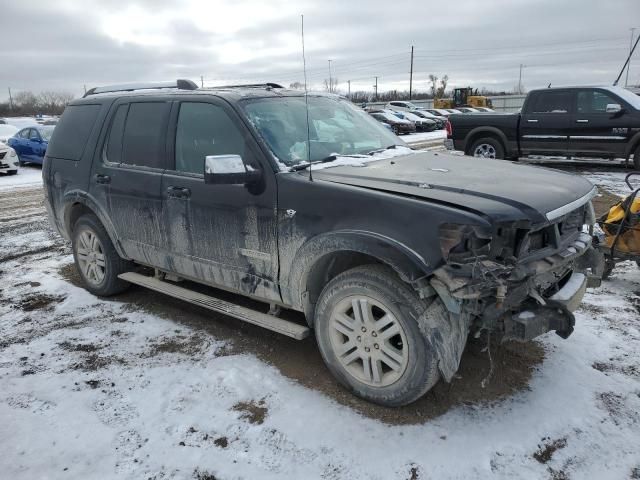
point(522, 300)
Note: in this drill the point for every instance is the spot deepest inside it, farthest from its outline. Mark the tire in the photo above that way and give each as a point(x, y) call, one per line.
point(12, 172)
point(412, 367)
point(636, 159)
point(609, 265)
point(487, 147)
point(96, 258)
point(395, 130)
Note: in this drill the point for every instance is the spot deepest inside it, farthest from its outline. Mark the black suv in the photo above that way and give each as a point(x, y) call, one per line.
point(393, 256)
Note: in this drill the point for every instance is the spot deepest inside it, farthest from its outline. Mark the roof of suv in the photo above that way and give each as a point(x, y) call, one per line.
point(234, 92)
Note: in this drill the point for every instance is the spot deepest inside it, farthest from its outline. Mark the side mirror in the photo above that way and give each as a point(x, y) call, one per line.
point(228, 170)
point(613, 108)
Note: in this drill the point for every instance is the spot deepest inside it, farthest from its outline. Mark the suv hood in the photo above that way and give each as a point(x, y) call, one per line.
point(497, 189)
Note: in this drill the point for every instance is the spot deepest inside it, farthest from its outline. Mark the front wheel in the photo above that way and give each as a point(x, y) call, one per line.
point(96, 258)
point(367, 330)
point(487, 148)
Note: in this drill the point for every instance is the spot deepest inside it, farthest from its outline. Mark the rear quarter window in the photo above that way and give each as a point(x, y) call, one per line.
point(70, 135)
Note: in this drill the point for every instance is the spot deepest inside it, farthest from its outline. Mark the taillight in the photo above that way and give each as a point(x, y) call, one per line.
point(449, 128)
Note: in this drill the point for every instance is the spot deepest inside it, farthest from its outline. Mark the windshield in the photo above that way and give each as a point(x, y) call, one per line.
point(335, 127)
point(45, 132)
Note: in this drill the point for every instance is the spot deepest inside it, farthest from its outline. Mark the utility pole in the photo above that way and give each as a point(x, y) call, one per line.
point(85, 88)
point(520, 80)
point(201, 81)
point(10, 100)
point(376, 89)
point(626, 80)
point(349, 89)
point(330, 79)
point(411, 74)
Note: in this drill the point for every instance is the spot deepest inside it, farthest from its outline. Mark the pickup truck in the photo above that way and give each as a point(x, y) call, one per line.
point(570, 121)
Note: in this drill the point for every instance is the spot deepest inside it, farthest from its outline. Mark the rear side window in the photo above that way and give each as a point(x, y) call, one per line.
point(72, 132)
point(552, 102)
point(143, 142)
point(113, 150)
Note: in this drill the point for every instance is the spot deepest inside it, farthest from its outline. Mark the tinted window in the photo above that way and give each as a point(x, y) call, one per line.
point(24, 133)
point(72, 131)
point(33, 134)
point(552, 102)
point(113, 149)
point(144, 135)
point(593, 101)
point(205, 129)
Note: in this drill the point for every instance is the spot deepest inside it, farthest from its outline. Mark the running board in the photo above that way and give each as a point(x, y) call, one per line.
point(285, 327)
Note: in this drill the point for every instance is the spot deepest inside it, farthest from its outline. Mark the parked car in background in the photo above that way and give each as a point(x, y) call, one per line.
point(422, 124)
point(398, 126)
point(8, 159)
point(485, 109)
point(440, 112)
point(6, 132)
point(440, 121)
point(31, 143)
point(467, 109)
point(402, 106)
point(599, 122)
point(453, 110)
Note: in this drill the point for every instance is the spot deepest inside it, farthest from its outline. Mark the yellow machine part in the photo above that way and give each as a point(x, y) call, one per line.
point(442, 103)
point(629, 239)
point(478, 101)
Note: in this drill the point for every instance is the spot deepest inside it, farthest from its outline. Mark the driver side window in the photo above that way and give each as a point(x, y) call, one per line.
point(205, 129)
point(34, 135)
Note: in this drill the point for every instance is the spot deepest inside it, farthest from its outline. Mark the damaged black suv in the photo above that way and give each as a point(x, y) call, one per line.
point(306, 203)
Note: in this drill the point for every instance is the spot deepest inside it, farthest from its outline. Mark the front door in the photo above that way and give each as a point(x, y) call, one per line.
point(222, 235)
point(593, 130)
point(544, 123)
point(127, 181)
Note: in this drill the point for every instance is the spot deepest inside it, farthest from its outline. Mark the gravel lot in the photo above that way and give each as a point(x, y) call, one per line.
point(142, 386)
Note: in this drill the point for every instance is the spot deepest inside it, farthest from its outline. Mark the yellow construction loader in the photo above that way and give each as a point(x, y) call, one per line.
point(621, 229)
point(463, 97)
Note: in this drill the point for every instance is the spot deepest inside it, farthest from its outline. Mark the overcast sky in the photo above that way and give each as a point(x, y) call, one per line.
point(64, 45)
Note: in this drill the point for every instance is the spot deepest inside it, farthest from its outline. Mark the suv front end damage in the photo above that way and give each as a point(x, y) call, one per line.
point(517, 280)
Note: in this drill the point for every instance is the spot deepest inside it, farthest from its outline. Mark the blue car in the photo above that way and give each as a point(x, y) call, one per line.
point(31, 143)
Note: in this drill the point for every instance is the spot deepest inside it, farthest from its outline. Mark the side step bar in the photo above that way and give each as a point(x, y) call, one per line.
point(285, 327)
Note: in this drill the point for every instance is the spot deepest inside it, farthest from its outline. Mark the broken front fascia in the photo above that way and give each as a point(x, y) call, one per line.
point(519, 292)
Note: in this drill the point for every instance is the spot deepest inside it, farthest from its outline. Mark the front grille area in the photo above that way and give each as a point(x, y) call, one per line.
point(551, 236)
point(2, 154)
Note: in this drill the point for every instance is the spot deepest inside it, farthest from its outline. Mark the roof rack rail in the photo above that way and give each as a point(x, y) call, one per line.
point(251, 85)
point(180, 84)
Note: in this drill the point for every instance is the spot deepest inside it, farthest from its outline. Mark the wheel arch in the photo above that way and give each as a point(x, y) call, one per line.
point(632, 146)
point(326, 256)
point(79, 203)
point(480, 132)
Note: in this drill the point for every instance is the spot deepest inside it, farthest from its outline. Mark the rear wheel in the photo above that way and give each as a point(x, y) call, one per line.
point(96, 258)
point(636, 159)
point(487, 147)
point(12, 172)
point(368, 335)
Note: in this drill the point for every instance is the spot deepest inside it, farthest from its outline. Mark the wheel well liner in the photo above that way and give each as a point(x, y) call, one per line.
point(480, 132)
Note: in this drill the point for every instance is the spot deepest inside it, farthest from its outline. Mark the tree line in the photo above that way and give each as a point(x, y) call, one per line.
point(437, 88)
point(48, 102)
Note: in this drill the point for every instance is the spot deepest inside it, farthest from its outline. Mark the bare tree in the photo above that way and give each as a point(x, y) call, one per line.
point(331, 85)
point(433, 85)
point(26, 101)
point(443, 86)
point(297, 85)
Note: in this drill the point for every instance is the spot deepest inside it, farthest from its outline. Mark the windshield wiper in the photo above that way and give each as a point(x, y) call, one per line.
point(330, 158)
point(390, 147)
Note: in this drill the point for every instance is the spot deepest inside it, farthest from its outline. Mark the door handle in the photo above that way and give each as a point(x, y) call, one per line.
point(178, 192)
point(102, 179)
point(532, 120)
point(582, 121)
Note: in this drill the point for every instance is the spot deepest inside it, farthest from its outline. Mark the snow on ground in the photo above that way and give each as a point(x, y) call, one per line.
point(28, 176)
point(21, 122)
point(420, 137)
point(97, 388)
point(613, 181)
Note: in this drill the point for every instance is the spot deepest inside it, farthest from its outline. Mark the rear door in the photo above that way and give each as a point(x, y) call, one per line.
point(20, 144)
point(593, 130)
point(222, 235)
point(128, 180)
point(545, 121)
